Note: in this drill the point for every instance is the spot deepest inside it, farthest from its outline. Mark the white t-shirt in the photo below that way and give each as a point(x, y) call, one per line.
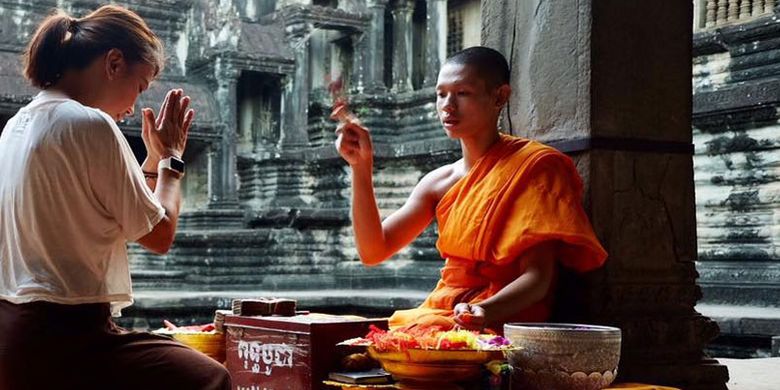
point(71, 195)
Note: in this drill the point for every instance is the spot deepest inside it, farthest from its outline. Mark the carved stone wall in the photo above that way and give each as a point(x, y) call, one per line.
point(630, 137)
point(735, 125)
point(266, 208)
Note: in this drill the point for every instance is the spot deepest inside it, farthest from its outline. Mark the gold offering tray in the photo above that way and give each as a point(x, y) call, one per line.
point(434, 366)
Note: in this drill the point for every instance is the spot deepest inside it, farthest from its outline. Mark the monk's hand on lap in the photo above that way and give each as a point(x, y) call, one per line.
point(353, 143)
point(469, 316)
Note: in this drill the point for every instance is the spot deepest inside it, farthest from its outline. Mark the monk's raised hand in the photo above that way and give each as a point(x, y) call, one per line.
point(353, 143)
point(469, 316)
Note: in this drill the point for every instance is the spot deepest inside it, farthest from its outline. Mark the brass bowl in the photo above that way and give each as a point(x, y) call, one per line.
point(434, 366)
point(570, 356)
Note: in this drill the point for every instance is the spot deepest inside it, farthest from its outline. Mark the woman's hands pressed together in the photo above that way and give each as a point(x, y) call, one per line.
point(166, 134)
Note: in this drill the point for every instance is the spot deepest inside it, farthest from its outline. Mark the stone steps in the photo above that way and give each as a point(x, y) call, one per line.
point(745, 331)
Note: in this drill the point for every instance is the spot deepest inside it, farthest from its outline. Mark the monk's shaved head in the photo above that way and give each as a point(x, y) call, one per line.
point(489, 64)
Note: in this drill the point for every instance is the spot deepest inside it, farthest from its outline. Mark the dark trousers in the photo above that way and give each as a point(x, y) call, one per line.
point(51, 346)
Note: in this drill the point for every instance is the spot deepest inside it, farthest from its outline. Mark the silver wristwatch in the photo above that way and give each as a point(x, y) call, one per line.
point(173, 164)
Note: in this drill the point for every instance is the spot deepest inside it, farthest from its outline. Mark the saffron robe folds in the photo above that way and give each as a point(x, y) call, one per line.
point(520, 194)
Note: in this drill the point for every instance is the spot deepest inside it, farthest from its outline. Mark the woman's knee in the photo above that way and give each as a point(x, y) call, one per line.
point(221, 378)
point(212, 376)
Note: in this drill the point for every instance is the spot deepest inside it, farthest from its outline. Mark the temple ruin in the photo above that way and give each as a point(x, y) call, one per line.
point(267, 196)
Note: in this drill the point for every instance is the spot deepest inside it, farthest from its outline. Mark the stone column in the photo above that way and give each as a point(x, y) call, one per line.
point(722, 12)
point(374, 57)
point(435, 40)
point(319, 58)
point(710, 18)
point(733, 10)
point(758, 7)
point(402, 45)
point(222, 153)
point(295, 99)
point(360, 47)
point(221, 175)
point(575, 86)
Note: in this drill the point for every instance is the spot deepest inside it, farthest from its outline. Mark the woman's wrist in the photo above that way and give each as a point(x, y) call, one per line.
point(170, 153)
point(149, 167)
point(151, 162)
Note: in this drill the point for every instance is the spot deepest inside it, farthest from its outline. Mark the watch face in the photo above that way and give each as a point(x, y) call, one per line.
point(177, 165)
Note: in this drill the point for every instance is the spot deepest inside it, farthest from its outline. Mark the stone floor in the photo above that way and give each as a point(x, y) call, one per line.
point(753, 374)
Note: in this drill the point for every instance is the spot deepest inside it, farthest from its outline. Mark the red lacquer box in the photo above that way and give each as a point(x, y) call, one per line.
point(289, 353)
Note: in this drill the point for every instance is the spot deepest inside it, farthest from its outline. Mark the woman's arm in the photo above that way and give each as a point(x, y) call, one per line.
point(166, 136)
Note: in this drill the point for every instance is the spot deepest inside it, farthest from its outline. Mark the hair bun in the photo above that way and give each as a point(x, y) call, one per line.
point(73, 24)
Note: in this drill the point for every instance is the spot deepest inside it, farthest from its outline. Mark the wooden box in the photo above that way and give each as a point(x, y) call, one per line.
point(295, 353)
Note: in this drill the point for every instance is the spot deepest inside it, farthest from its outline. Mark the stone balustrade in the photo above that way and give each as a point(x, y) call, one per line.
point(717, 13)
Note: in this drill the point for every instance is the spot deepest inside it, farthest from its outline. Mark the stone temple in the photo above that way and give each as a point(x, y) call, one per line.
point(267, 197)
point(736, 76)
point(266, 209)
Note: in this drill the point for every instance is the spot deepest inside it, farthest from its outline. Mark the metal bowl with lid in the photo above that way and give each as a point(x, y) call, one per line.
point(563, 356)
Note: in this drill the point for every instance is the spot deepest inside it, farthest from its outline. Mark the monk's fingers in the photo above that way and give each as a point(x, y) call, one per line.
point(344, 145)
point(460, 309)
point(351, 146)
point(362, 132)
point(351, 138)
point(354, 127)
point(365, 142)
point(349, 131)
point(351, 157)
point(470, 321)
point(464, 325)
point(347, 135)
point(346, 128)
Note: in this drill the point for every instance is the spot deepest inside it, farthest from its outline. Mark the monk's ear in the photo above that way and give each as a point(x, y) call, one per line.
point(502, 95)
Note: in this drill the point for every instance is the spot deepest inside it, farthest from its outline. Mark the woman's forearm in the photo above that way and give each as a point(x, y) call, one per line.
point(150, 171)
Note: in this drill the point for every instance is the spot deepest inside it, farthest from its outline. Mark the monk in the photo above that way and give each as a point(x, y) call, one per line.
point(508, 212)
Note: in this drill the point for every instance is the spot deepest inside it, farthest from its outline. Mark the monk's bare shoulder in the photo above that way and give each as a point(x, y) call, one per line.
point(437, 182)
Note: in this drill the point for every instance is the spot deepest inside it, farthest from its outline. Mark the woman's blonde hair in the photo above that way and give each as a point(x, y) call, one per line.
point(62, 42)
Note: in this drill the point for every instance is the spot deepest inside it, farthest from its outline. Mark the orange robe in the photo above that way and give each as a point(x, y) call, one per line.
point(520, 194)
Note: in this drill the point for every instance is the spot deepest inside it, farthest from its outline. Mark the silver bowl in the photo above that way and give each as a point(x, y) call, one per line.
point(563, 356)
